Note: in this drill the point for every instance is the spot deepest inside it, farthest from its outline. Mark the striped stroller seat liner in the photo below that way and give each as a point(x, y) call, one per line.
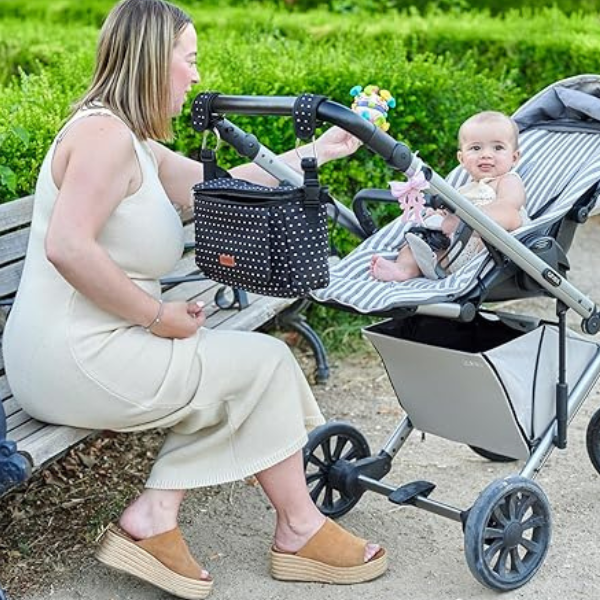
point(557, 168)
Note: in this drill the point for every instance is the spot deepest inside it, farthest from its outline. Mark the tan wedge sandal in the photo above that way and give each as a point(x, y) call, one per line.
point(163, 560)
point(332, 555)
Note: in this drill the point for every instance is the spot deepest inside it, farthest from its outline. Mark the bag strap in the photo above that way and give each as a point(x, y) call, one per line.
point(201, 111)
point(314, 193)
point(305, 115)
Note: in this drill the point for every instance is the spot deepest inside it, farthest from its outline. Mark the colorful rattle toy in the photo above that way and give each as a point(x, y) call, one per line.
point(373, 104)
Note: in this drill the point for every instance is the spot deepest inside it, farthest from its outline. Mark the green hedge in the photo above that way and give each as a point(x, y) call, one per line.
point(439, 68)
point(275, 55)
point(494, 7)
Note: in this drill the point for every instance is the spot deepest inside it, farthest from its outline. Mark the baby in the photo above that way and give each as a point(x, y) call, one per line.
point(488, 150)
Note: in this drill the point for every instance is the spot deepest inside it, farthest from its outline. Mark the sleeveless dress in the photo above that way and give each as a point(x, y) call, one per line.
point(235, 403)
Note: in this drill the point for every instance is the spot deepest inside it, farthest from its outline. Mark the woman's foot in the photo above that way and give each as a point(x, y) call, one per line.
point(163, 561)
point(387, 270)
point(330, 555)
point(291, 538)
point(153, 513)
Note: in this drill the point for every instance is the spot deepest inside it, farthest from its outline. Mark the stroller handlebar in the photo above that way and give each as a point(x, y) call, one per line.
point(397, 154)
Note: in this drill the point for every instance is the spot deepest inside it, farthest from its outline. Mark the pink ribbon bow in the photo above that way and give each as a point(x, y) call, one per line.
point(410, 196)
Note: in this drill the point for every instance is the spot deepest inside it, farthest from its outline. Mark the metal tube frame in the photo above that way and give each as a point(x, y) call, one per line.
point(576, 398)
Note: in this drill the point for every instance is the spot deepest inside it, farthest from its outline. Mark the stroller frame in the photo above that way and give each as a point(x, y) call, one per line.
point(503, 512)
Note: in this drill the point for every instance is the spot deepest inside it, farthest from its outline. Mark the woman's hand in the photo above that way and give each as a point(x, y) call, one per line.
point(336, 143)
point(180, 320)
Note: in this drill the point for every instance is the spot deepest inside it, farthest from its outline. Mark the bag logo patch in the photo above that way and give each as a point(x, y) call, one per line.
point(227, 260)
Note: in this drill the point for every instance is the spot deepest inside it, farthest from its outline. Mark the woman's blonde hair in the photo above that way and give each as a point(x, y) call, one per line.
point(133, 62)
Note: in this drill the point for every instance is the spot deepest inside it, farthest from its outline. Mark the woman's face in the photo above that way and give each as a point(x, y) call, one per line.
point(184, 72)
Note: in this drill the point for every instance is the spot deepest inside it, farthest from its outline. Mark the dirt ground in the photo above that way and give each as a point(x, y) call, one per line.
point(230, 528)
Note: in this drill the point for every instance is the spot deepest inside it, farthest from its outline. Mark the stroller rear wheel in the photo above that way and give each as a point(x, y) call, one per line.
point(330, 450)
point(592, 439)
point(507, 533)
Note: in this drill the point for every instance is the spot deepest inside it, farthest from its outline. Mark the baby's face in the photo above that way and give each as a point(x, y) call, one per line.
point(487, 149)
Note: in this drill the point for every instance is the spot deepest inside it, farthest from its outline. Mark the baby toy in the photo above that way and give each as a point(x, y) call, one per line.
point(373, 104)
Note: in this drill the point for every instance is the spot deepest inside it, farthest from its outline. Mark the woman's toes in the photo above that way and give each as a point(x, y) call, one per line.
point(371, 550)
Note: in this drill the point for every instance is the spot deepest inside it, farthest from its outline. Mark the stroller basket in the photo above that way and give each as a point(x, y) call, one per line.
point(490, 382)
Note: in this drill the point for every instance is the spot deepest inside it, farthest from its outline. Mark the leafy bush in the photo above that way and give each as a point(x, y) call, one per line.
point(275, 56)
point(36, 100)
point(495, 7)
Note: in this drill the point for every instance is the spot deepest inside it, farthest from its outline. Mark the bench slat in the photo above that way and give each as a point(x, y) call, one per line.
point(10, 406)
point(25, 430)
point(51, 442)
point(16, 213)
point(13, 245)
point(15, 420)
point(4, 389)
point(10, 276)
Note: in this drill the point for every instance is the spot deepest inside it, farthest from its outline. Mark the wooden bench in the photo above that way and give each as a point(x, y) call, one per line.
point(26, 444)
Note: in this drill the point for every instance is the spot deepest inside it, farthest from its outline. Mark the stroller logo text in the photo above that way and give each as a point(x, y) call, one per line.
point(468, 362)
point(552, 277)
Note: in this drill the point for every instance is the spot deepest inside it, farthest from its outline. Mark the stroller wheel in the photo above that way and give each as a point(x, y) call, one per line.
point(328, 456)
point(507, 533)
point(593, 440)
point(492, 455)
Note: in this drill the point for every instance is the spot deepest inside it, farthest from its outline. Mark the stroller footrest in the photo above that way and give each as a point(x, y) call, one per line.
point(407, 493)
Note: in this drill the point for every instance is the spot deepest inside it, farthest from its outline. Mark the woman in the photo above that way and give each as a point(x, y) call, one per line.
point(113, 355)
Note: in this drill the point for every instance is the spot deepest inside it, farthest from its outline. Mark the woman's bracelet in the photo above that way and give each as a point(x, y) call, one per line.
point(158, 317)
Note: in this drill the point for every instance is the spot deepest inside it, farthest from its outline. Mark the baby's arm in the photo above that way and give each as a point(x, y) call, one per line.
point(505, 209)
point(510, 199)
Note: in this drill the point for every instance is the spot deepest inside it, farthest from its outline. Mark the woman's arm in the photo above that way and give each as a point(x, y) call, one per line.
point(95, 167)
point(178, 174)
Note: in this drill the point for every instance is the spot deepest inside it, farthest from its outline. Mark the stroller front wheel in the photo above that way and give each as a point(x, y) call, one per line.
point(507, 533)
point(331, 450)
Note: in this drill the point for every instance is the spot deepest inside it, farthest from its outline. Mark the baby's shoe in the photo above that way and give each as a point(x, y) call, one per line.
point(424, 256)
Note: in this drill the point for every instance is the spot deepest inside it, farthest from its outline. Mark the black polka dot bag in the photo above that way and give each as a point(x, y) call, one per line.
point(267, 240)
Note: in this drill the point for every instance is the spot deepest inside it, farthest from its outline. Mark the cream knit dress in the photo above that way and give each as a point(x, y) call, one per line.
point(235, 403)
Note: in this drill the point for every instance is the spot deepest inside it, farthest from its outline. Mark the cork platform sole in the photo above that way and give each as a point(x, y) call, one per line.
point(289, 567)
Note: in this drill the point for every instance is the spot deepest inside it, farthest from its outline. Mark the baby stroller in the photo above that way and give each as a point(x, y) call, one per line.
point(531, 390)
